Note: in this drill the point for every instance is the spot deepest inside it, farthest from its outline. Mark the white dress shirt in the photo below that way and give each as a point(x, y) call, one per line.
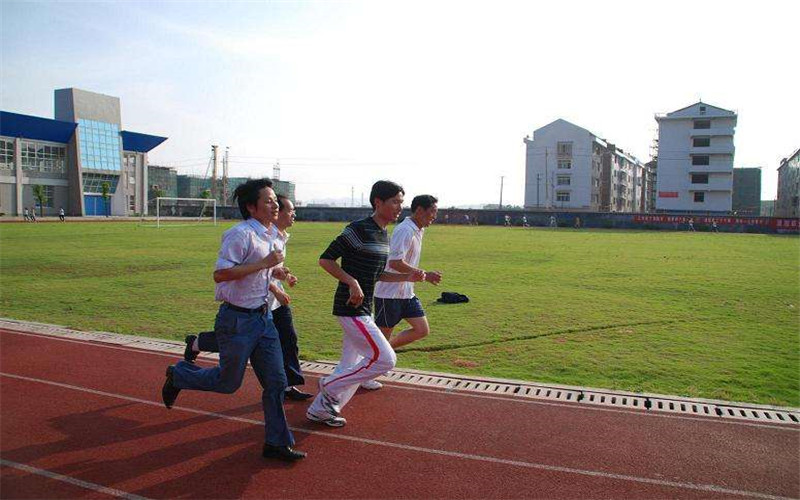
point(278, 243)
point(245, 243)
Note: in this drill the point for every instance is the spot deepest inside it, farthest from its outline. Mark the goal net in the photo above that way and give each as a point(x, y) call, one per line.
point(185, 211)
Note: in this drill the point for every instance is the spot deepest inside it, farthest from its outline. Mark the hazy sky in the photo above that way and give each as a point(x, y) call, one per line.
point(434, 95)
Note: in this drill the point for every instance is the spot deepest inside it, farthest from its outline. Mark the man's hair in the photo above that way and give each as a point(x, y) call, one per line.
point(247, 194)
point(383, 190)
point(425, 201)
point(282, 201)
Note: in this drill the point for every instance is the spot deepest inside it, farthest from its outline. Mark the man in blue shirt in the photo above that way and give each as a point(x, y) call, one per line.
point(243, 327)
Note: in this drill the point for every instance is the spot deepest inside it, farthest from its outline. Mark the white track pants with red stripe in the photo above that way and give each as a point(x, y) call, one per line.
point(366, 354)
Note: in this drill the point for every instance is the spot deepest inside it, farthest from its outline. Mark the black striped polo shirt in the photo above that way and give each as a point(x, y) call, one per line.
point(363, 247)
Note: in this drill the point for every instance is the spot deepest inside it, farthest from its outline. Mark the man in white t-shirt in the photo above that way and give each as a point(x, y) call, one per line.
point(396, 300)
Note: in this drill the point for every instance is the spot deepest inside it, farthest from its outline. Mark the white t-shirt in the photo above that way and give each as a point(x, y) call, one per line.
point(278, 243)
point(405, 245)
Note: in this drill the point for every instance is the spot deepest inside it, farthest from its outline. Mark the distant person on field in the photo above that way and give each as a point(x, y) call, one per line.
point(467, 220)
point(553, 221)
point(507, 220)
point(714, 228)
point(243, 327)
point(281, 312)
point(363, 248)
point(446, 218)
point(26, 215)
point(33, 214)
point(61, 214)
point(524, 221)
point(691, 224)
point(577, 222)
point(395, 301)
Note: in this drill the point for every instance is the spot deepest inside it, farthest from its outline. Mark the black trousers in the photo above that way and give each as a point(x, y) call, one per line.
point(282, 317)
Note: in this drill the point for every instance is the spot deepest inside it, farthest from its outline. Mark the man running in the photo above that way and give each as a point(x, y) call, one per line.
point(363, 248)
point(396, 300)
point(243, 327)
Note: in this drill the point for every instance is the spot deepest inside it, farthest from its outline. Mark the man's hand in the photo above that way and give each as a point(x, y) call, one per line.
point(273, 259)
point(280, 273)
point(356, 294)
point(291, 279)
point(433, 277)
point(417, 275)
point(282, 297)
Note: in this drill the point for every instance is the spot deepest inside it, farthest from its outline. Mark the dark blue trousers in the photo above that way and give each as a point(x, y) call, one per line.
point(241, 336)
point(284, 323)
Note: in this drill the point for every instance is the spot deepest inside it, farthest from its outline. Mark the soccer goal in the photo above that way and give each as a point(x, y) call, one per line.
point(185, 211)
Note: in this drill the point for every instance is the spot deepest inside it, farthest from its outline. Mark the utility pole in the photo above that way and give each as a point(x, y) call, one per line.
point(501, 191)
point(225, 177)
point(214, 172)
point(538, 180)
point(352, 196)
point(546, 190)
point(276, 171)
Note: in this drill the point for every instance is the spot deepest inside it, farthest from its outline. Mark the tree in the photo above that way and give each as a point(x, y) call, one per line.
point(205, 194)
point(40, 195)
point(104, 193)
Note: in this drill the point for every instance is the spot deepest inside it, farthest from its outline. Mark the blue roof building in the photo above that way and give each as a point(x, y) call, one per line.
point(72, 157)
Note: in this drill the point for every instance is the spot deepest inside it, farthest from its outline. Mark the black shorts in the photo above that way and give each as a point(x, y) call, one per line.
point(389, 312)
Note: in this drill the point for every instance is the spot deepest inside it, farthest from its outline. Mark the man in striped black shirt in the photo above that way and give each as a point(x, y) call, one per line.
point(363, 248)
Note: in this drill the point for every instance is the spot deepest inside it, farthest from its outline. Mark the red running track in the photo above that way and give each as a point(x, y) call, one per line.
point(85, 420)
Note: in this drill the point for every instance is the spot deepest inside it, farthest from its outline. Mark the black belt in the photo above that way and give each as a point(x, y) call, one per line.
point(260, 310)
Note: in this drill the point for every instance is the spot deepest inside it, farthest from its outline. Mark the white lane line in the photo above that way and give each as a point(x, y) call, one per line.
point(71, 480)
point(444, 392)
point(432, 451)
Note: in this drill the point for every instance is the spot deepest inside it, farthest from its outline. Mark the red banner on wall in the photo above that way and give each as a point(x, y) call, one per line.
point(667, 194)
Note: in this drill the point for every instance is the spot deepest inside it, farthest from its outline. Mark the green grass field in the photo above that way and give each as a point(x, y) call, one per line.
point(692, 314)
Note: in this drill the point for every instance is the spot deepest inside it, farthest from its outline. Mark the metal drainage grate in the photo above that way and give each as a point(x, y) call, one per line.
point(711, 409)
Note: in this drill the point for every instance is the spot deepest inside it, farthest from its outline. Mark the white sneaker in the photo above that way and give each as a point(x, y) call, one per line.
point(327, 419)
point(371, 385)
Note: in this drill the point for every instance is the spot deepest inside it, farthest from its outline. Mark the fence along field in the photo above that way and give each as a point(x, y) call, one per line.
point(693, 314)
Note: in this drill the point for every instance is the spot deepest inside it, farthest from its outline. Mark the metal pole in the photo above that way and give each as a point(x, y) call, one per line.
point(158, 212)
point(538, 180)
point(501, 191)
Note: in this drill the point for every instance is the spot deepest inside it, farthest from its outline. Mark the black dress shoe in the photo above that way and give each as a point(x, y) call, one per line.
point(169, 393)
point(296, 394)
point(189, 354)
point(285, 453)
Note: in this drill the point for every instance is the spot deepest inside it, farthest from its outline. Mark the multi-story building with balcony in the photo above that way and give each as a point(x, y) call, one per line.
point(569, 168)
point(75, 158)
point(695, 159)
point(788, 202)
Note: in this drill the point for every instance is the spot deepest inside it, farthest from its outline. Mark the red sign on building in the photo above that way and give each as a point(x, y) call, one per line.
point(667, 194)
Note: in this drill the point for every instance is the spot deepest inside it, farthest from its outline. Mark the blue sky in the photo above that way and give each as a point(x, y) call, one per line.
point(436, 95)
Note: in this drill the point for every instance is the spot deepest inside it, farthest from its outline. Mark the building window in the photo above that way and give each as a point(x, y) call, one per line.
point(131, 203)
point(562, 180)
point(6, 155)
point(40, 157)
point(701, 142)
point(699, 197)
point(700, 160)
point(564, 164)
point(699, 178)
point(565, 149)
point(702, 110)
point(93, 183)
point(702, 124)
point(562, 196)
point(100, 145)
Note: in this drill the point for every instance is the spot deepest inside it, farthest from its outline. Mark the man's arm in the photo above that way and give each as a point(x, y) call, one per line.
point(281, 296)
point(416, 275)
point(332, 268)
point(399, 265)
point(242, 270)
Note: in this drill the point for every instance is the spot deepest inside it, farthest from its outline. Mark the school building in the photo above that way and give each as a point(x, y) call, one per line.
point(75, 157)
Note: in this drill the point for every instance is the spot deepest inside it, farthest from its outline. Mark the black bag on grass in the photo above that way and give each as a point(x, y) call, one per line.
point(452, 298)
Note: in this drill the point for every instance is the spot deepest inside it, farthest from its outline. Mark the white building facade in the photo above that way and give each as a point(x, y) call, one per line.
point(569, 168)
point(695, 159)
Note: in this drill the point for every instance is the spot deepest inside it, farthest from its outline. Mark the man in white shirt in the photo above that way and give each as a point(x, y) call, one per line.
point(395, 301)
point(243, 327)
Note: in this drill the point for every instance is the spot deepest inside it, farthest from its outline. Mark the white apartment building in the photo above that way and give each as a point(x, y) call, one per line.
point(569, 168)
point(695, 159)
